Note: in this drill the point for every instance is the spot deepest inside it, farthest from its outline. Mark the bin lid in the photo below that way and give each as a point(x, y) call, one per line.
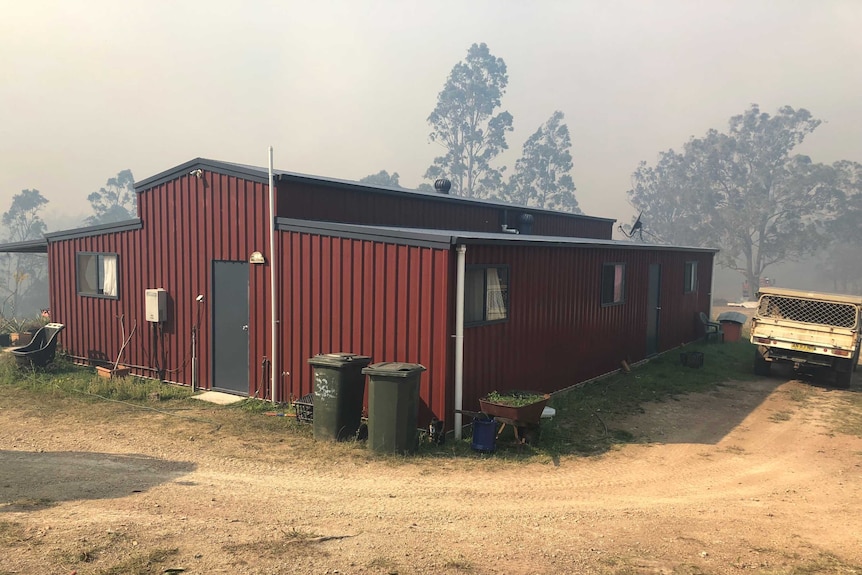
point(339, 359)
point(732, 316)
point(393, 369)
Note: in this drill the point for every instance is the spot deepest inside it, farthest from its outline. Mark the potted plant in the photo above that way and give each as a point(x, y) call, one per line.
point(18, 331)
point(119, 370)
point(5, 332)
point(516, 405)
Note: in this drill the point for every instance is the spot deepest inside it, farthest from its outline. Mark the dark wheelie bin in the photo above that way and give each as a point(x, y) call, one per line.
point(393, 406)
point(339, 388)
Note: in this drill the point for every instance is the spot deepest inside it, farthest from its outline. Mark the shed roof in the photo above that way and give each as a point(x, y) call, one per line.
point(260, 174)
point(39, 246)
point(446, 238)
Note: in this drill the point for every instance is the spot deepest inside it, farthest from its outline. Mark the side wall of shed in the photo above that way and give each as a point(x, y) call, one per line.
point(558, 333)
point(187, 223)
point(386, 301)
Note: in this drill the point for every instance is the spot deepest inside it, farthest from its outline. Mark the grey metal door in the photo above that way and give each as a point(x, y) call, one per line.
point(230, 327)
point(653, 308)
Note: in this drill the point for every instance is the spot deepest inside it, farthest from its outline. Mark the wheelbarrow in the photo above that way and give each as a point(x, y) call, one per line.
point(524, 419)
point(41, 349)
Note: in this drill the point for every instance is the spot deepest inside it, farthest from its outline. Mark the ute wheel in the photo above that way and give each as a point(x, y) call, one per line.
point(761, 366)
point(844, 379)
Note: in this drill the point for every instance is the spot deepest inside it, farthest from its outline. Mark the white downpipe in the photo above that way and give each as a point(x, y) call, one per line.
point(711, 287)
point(273, 283)
point(459, 337)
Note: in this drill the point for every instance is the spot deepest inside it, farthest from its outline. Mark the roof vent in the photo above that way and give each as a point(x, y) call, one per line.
point(525, 224)
point(442, 185)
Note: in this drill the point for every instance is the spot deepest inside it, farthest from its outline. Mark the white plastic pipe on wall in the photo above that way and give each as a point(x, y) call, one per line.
point(273, 283)
point(459, 337)
point(711, 287)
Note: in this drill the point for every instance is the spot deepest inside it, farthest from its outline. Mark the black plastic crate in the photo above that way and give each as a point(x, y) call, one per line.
point(691, 359)
point(304, 408)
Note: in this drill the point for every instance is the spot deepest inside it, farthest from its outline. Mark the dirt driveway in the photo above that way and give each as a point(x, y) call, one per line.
point(754, 477)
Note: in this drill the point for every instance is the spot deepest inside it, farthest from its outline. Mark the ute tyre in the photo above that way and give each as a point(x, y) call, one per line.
point(761, 366)
point(844, 379)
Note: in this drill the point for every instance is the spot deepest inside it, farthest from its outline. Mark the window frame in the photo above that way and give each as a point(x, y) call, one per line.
point(99, 277)
point(689, 275)
point(604, 290)
point(484, 268)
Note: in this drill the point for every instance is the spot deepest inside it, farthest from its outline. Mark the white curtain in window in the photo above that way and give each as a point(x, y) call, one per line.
point(496, 305)
point(109, 275)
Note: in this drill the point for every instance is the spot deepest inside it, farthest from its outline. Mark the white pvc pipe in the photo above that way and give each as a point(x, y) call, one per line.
point(194, 358)
point(459, 337)
point(273, 282)
point(711, 287)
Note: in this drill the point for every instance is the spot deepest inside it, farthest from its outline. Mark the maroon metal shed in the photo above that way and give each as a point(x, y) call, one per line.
point(348, 280)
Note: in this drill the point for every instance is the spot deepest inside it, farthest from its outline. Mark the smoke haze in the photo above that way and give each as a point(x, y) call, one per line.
point(343, 89)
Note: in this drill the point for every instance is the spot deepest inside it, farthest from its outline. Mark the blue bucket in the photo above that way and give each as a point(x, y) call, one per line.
point(484, 434)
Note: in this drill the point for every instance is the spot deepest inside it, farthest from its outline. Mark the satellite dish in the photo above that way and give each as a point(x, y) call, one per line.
point(637, 227)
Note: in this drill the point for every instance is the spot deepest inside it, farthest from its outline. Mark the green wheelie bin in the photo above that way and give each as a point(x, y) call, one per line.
point(393, 406)
point(339, 388)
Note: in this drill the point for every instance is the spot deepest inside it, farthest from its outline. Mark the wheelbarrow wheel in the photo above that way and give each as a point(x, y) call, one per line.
point(531, 434)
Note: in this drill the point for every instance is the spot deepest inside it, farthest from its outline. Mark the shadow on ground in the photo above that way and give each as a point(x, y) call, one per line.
point(31, 480)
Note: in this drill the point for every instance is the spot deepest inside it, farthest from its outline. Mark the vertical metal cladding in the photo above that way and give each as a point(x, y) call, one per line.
point(386, 301)
point(361, 206)
point(187, 223)
point(559, 333)
point(93, 324)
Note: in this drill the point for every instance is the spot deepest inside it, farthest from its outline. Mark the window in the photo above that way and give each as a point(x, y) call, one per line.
point(690, 277)
point(613, 283)
point(486, 294)
point(97, 275)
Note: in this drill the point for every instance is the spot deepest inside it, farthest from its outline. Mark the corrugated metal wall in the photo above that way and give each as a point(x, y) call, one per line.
point(188, 223)
point(558, 333)
point(356, 206)
point(389, 301)
point(386, 301)
point(93, 324)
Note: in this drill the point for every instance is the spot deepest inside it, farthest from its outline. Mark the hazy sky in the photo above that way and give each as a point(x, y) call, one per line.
point(343, 88)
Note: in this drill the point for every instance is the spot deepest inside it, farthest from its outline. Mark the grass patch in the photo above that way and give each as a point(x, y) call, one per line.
point(799, 393)
point(27, 504)
point(459, 564)
point(849, 421)
point(382, 563)
point(65, 378)
point(780, 416)
point(10, 533)
point(823, 564)
point(143, 564)
point(293, 542)
point(583, 413)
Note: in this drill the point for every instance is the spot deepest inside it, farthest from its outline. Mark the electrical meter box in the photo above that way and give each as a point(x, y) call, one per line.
point(156, 307)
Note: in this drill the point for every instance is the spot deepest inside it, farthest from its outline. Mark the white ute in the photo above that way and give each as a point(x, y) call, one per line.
point(807, 328)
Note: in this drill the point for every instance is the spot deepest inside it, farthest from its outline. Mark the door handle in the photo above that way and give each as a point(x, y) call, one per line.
point(245, 327)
